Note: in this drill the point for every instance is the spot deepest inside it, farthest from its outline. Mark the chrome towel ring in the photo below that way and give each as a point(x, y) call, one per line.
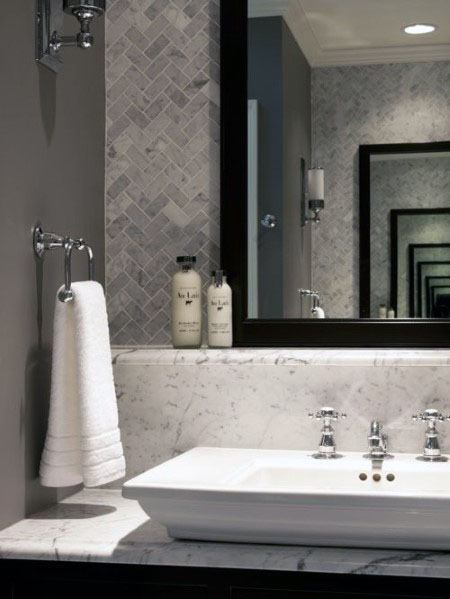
point(43, 242)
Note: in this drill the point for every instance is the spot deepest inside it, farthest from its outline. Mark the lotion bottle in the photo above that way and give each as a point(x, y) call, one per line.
point(220, 311)
point(186, 305)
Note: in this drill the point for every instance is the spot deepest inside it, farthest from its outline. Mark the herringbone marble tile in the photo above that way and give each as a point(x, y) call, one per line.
point(414, 183)
point(162, 159)
point(392, 103)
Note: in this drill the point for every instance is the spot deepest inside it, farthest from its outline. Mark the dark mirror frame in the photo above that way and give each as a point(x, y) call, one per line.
point(277, 332)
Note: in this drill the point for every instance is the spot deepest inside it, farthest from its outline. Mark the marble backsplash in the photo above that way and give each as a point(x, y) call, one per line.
point(171, 401)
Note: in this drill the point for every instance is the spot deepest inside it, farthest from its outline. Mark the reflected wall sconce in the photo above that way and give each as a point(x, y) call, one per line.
point(49, 23)
point(313, 194)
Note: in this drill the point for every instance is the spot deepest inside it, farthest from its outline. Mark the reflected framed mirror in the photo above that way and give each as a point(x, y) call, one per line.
point(335, 172)
point(419, 252)
point(394, 230)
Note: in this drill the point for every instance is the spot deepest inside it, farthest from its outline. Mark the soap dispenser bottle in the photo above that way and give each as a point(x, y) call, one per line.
point(186, 305)
point(220, 311)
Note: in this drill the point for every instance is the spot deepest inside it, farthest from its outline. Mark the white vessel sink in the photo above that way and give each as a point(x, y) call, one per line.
point(287, 497)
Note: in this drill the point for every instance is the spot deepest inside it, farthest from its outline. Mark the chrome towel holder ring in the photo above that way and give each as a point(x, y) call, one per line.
point(43, 241)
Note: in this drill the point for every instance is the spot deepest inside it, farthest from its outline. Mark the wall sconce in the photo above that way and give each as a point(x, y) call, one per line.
point(49, 22)
point(313, 194)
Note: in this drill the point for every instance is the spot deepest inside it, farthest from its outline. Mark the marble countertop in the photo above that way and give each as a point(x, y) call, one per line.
point(101, 526)
point(282, 356)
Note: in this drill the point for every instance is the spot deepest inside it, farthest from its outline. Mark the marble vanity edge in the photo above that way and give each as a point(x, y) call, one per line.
point(64, 532)
point(281, 357)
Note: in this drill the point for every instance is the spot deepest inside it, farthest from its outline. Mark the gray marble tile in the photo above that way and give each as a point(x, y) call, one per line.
point(171, 401)
point(160, 106)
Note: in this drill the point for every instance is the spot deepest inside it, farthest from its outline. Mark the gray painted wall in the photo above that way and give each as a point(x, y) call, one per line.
point(266, 84)
point(297, 144)
point(279, 77)
point(391, 103)
point(51, 168)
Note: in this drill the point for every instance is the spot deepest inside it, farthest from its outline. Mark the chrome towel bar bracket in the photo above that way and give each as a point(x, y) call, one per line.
point(43, 242)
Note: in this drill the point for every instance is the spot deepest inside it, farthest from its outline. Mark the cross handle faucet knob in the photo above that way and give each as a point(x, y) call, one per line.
point(432, 449)
point(327, 445)
point(327, 412)
point(430, 416)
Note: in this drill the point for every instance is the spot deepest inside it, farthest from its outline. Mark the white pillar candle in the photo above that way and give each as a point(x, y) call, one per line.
point(316, 184)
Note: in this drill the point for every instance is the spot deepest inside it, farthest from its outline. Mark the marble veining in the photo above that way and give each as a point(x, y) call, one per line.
point(275, 356)
point(171, 401)
point(99, 525)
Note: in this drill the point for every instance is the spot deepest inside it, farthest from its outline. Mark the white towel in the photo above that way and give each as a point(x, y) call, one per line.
point(83, 438)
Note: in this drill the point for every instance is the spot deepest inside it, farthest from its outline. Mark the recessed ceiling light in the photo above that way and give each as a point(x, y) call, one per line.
point(419, 28)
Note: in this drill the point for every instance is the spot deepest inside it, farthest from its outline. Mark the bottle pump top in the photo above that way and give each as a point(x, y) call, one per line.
point(186, 259)
point(218, 276)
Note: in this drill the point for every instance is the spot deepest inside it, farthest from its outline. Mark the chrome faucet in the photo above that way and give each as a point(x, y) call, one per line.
point(316, 308)
point(377, 442)
point(327, 447)
point(431, 449)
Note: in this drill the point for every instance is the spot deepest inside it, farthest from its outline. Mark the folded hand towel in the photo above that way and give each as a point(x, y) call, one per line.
point(83, 438)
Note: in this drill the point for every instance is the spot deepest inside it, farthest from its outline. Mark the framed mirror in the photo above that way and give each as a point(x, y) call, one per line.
point(334, 138)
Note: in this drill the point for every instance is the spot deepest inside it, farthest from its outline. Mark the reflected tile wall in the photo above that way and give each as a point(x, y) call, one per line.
point(162, 162)
point(417, 183)
point(394, 103)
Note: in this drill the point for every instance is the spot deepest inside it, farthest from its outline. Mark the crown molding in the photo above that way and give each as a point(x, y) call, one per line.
point(267, 8)
point(297, 21)
point(366, 56)
point(295, 18)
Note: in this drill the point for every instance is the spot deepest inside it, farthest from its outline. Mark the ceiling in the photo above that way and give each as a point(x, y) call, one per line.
point(346, 32)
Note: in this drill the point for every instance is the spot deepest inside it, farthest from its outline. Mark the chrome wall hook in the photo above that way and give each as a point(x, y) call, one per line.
point(43, 242)
point(66, 295)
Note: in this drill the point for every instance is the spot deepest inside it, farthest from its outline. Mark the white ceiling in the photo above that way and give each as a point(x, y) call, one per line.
point(344, 32)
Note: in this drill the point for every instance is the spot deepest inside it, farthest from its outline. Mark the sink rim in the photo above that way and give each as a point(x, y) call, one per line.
point(139, 487)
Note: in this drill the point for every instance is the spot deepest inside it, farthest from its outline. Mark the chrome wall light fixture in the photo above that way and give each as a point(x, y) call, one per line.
point(313, 194)
point(49, 23)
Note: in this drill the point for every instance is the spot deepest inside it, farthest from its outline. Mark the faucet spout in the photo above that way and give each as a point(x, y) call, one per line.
point(377, 444)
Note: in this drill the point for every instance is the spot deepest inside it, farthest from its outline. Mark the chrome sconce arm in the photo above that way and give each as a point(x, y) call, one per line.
point(49, 22)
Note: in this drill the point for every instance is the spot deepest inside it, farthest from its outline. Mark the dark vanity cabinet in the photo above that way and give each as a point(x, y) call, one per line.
point(64, 580)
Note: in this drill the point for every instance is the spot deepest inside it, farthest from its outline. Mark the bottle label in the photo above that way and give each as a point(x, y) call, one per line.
point(219, 315)
point(187, 311)
point(219, 304)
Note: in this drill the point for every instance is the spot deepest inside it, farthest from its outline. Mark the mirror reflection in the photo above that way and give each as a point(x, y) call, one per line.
point(327, 78)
